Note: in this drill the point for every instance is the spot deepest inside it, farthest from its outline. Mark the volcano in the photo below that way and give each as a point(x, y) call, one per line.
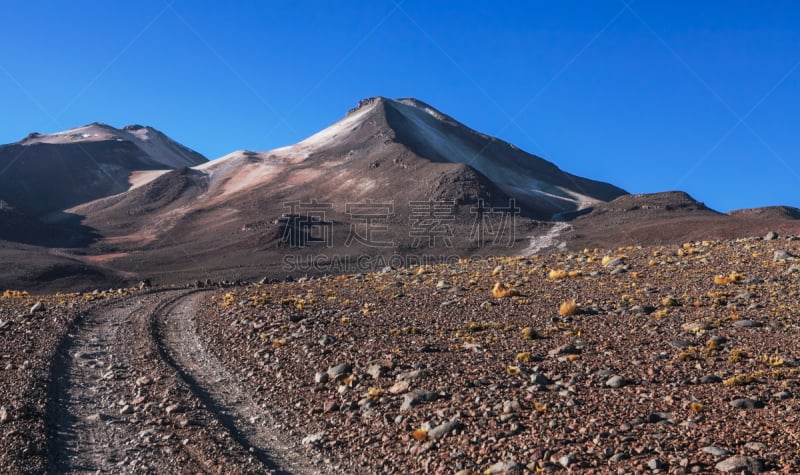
point(392, 183)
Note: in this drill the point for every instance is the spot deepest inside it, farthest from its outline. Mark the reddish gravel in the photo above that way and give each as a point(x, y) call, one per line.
point(654, 317)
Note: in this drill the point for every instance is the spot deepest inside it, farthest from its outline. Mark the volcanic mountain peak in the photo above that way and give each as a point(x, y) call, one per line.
point(160, 148)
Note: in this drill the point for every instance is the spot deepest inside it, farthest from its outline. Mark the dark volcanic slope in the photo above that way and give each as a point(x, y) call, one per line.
point(49, 173)
point(226, 215)
point(669, 218)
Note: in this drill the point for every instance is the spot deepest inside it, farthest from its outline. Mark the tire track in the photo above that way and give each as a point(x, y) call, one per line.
point(134, 390)
point(175, 329)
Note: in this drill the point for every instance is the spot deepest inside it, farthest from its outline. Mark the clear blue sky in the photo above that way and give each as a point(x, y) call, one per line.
point(650, 95)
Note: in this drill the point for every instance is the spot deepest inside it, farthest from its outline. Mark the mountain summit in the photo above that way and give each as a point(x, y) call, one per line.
point(46, 173)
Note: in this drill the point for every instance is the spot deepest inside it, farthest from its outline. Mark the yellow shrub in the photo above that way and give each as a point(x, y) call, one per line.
point(528, 333)
point(569, 308)
point(501, 290)
point(736, 355)
point(524, 357)
point(739, 380)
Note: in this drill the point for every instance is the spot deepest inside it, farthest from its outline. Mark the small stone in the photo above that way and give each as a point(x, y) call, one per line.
point(710, 379)
point(781, 256)
point(174, 409)
point(715, 451)
point(411, 375)
point(740, 463)
point(442, 285)
point(619, 457)
point(377, 371)
point(510, 407)
point(540, 379)
point(655, 464)
point(147, 433)
point(616, 382)
point(681, 343)
point(695, 327)
point(330, 406)
point(414, 398)
point(321, 378)
point(38, 307)
point(746, 403)
point(399, 387)
point(443, 429)
point(143, 381)
point(658, 417)
point(746, 324)
point(5, 415)
point(126, 409)
point(782, 395)
point(326, 340)
point(314, 439)
point(508, 467)
point(567, 460)
point(564, 350)
point(771, 236)
point(339, 371)
point(755, 446)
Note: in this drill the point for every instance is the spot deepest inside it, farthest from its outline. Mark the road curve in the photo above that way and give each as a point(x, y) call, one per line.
point(133, 389)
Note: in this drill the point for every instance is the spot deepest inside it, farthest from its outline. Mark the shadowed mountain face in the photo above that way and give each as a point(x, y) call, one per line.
point(395, 182)
point(45, 174)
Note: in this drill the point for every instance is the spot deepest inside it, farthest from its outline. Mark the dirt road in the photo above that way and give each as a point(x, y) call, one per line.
point(135, 390)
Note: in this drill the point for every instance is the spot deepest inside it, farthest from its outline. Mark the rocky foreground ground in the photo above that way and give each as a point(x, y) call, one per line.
point(677, 359)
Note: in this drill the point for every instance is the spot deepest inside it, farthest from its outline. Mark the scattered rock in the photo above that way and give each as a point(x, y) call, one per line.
point(567, 460)
point(746, 403)
point(174, 409)
point(411, 375)
point(399, 387)
point(377, 371)
point(339, 371)
point(38, 307)
point(695, 327)
point(126, 409)
point(617, 382)
point(746, 324)
point(540, 379)
point(414, 398)
point(443, 429)
point(771, 236)
point(710, 379)
point(314, 439)
point(143, 381)
point(715, 451)
point(782, 395)
point(508, 467)
point(739, 464)
point(658, 417)
point(5, 415)
point(567, 349)
point(781, 255)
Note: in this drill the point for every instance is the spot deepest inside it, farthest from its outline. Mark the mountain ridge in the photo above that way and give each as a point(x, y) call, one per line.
point(433, 181)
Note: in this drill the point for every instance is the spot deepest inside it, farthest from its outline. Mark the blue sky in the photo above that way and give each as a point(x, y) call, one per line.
point(649, 95)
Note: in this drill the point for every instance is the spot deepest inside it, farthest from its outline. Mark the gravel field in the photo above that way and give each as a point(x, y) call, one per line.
point(677, 359)
point(680, 359)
